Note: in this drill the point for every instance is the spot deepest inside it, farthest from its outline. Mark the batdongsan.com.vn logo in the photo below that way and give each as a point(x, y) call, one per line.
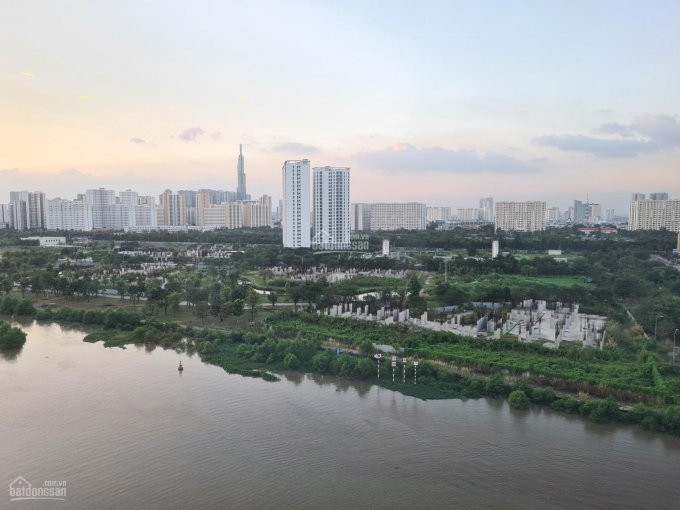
point(22, 490)
point(324, 241)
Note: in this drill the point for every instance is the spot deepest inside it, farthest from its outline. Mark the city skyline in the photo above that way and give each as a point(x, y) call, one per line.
point(426, 121)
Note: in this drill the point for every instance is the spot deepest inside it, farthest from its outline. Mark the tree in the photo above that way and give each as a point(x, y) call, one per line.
point(121, 288)
point(174, 299)
point(226, 310)
point(253, 299)
point(24, 283)
point(201, 309)
point(519, 400)
point(6, 283)
point(237, 307)
point(295, 294)
point(273, 298)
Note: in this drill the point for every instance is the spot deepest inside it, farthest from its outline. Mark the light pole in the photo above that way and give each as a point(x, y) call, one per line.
point(656, 321)
point(674, 333)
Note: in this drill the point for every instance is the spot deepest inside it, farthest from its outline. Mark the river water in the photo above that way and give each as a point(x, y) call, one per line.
point(123, 429)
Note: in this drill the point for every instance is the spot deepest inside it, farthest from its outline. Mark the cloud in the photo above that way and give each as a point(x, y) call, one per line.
point(138, 141)
point(216, 135)
point(646, 134)
point(294, 147)
point(404, 157)
point(191, 134)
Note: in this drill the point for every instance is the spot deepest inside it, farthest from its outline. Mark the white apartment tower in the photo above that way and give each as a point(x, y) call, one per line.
point(102, 201)
point(296, 211)
point(520, 216)
point(331, 208)
point(654, 215)
point(486, 209)
point(28, 210)
point(69, 215)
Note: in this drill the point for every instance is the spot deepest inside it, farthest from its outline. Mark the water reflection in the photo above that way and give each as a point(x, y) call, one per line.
point(10, 355)
point(126, 432)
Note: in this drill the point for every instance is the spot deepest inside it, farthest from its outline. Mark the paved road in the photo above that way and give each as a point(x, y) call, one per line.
point(659, 258)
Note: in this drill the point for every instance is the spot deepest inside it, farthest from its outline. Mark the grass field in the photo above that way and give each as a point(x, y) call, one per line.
point(184, 314)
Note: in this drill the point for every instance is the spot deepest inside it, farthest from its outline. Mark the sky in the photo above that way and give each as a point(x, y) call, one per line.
point(437, 102)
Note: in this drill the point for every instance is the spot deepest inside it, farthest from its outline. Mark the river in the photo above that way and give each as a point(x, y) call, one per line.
point(123, 429)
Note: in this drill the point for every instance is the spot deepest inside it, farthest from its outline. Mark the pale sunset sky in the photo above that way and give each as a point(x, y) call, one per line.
point(439, 102)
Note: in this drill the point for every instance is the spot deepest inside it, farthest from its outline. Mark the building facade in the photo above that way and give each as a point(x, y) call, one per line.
point(398, 216)
point(296, 220)
point(520, 216)
point(654, 215)
point(331, 208)
point(360, 217)
point(172, 209)
point(440, 214)
point(69, 215)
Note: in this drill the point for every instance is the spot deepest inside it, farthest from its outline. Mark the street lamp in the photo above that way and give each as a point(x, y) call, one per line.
point(674, 333)
point(656, 321)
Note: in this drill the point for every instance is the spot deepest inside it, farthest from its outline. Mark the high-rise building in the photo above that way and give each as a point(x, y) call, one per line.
point(580, 212)
point(6, 220)
point(28, 210)
point(637, 197)
point(469, 215)
point(594, 213)
point(241, 189)
point(552, 214)
point(520, 216)
point(146, 215)
point(398, 216)
point(69, 215)
point(658, 196)
point(486, 209)
point(331, 208)
point(440, 214)
point(129, 197)
point(258, 213)
point(102, 201)
point(360, 217)
point(609, 214)
point(654, 215)
point(296, 211)
point(173, 209)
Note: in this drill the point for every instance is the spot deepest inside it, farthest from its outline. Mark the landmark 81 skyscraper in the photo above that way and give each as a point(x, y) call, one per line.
point(241, 189)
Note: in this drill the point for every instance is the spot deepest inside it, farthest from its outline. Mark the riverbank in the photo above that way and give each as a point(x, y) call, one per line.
point(289, 341)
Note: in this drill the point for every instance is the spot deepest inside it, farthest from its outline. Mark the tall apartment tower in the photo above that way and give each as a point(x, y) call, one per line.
point(240, 169)
point(173, 207)
point(331, 208)
point(102, 201)
point(658, 196)
point(486, 209)
point(295, 221)
point(29, 209)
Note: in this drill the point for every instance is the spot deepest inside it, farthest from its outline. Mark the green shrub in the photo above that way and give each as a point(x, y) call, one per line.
point(11, 337)
point(291, 361)
point(519, 400)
